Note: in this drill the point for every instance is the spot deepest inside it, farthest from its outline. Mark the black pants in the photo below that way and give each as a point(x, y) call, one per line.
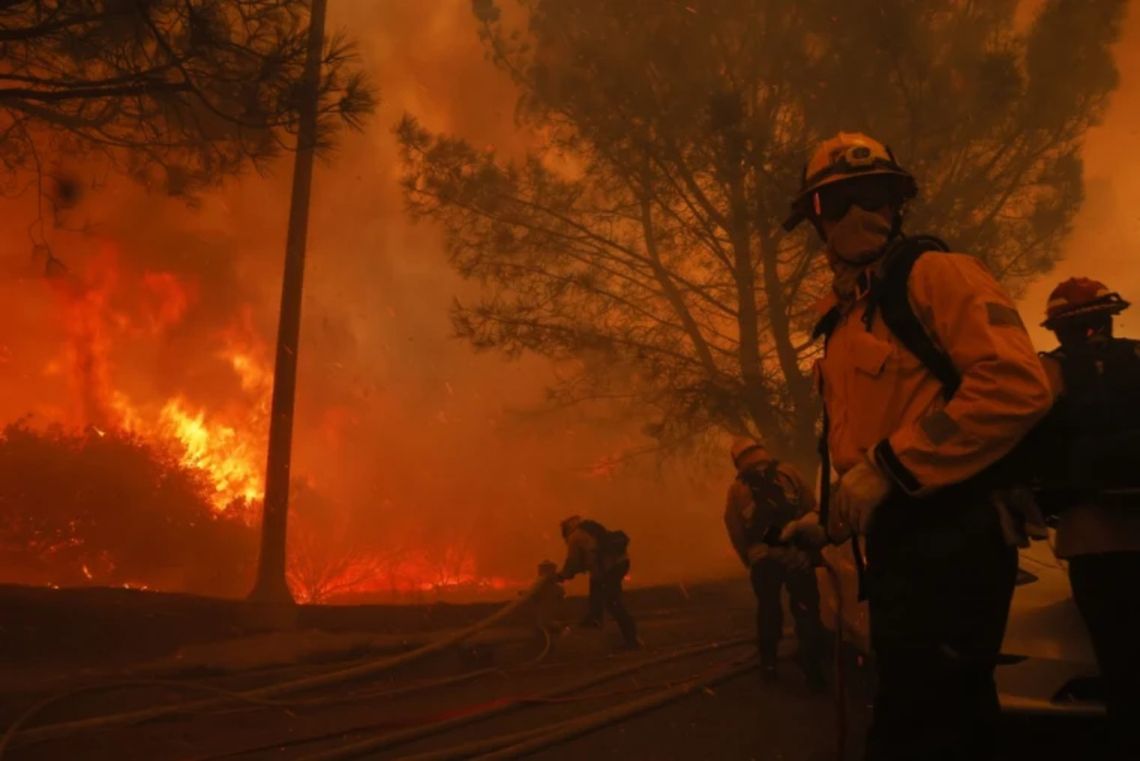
point(606, 595)
point(1106, 589)
point(768, 577)
point(939, 583)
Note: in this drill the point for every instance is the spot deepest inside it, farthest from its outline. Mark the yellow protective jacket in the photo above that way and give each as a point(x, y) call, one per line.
point(1096, 526)
point(739, 504)
point(881, 399)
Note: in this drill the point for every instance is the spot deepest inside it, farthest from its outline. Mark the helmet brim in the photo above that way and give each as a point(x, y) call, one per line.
point(1109, 308)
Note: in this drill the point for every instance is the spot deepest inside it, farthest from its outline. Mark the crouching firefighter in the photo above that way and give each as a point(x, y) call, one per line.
point(928, 379)
point(1095, 497)
point(763, 499)
point(592, 548)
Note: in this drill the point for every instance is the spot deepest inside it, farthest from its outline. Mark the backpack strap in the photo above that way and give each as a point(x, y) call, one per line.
point(890, 297)
point(826, 325)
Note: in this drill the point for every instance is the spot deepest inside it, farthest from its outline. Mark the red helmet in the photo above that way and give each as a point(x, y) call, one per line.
point(1078, 297)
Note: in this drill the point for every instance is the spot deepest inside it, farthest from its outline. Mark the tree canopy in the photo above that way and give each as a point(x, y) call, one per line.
point(182, 92)
point(640, 242)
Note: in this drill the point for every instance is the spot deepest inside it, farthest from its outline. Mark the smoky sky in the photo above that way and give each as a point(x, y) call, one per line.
point(410, 436)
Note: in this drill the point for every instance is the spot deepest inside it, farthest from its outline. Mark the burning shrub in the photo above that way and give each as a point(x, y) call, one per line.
point(108, 508)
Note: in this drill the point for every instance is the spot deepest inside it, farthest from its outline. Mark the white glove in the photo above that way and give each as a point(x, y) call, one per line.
point(805, 532)
point(859, 492)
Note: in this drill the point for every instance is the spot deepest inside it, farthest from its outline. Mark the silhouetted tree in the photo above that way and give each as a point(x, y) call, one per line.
point(640, 241)
point(182, 92)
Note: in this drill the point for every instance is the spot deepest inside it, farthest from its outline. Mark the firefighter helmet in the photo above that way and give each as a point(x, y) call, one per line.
point(742, 447)
point(1079, 297)
point(570, 524)
point(846, 156)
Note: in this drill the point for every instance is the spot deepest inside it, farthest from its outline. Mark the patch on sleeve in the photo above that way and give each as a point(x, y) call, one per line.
point(1002, 314)
point(938, 427)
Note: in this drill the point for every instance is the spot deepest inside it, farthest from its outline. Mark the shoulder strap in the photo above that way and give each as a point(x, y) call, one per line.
point(892, 298)
point(826, 325)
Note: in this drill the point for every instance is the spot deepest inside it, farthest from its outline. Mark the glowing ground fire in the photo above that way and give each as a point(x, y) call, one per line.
point(107, 312)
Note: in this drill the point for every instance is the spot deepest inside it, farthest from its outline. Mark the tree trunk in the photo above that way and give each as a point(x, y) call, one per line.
point(271, 586)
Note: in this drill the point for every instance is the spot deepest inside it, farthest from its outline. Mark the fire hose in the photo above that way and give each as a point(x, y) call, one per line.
point(516, 744)
point(393, 739)
point(522, 743)
point(258, 695)
point(412, 729)
point(262, 696)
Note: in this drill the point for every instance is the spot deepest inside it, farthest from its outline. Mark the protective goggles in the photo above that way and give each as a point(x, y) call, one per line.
point(870, 193)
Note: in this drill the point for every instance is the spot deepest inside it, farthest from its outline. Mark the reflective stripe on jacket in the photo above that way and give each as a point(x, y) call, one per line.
point(881, 398)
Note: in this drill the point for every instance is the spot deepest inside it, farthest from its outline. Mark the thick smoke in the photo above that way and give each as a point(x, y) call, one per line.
point(408, 444)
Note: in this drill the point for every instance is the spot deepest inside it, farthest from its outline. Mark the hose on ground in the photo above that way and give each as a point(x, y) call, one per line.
point(488, 744)
point(370, 668)
point(36, 708)
point(592, 722)
point(392, 739)
point(484, 745)
point(391, 692)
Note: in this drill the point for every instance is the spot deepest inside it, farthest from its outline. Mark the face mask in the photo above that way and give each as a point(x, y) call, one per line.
point(859, 237)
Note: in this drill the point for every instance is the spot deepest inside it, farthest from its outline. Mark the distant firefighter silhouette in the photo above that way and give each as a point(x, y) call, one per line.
point(594, 549)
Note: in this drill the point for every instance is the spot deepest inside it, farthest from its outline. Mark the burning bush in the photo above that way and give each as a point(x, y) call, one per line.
point(108, 508)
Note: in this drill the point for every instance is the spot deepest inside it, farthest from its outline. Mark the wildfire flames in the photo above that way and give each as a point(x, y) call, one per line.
point(99, 311)
point(216, 448)
point(221, 435)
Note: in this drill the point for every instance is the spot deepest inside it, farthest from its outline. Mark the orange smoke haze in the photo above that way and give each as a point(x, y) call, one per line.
point(1105, 243)
point(419, 464)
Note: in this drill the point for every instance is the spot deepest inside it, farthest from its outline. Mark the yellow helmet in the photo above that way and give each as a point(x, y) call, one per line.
point(844, 157)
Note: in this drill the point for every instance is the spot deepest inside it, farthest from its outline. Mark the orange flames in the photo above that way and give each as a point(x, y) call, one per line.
point(112, 316)
point(392, 574)
point(216, 448)
point(110, 307)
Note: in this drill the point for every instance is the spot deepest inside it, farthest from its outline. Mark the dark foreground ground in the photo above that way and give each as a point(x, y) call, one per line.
point(501, 682)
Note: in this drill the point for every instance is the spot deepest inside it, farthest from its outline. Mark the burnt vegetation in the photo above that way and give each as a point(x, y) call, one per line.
point(108, 508)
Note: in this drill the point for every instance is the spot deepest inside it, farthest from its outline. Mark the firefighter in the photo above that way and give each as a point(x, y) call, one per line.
point(915, 415)
point(1097, 378)
point(763, 499)
point(592, 548)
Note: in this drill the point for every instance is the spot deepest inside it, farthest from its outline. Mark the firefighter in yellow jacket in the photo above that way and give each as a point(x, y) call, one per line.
point(766, 496)
point(917, 415)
